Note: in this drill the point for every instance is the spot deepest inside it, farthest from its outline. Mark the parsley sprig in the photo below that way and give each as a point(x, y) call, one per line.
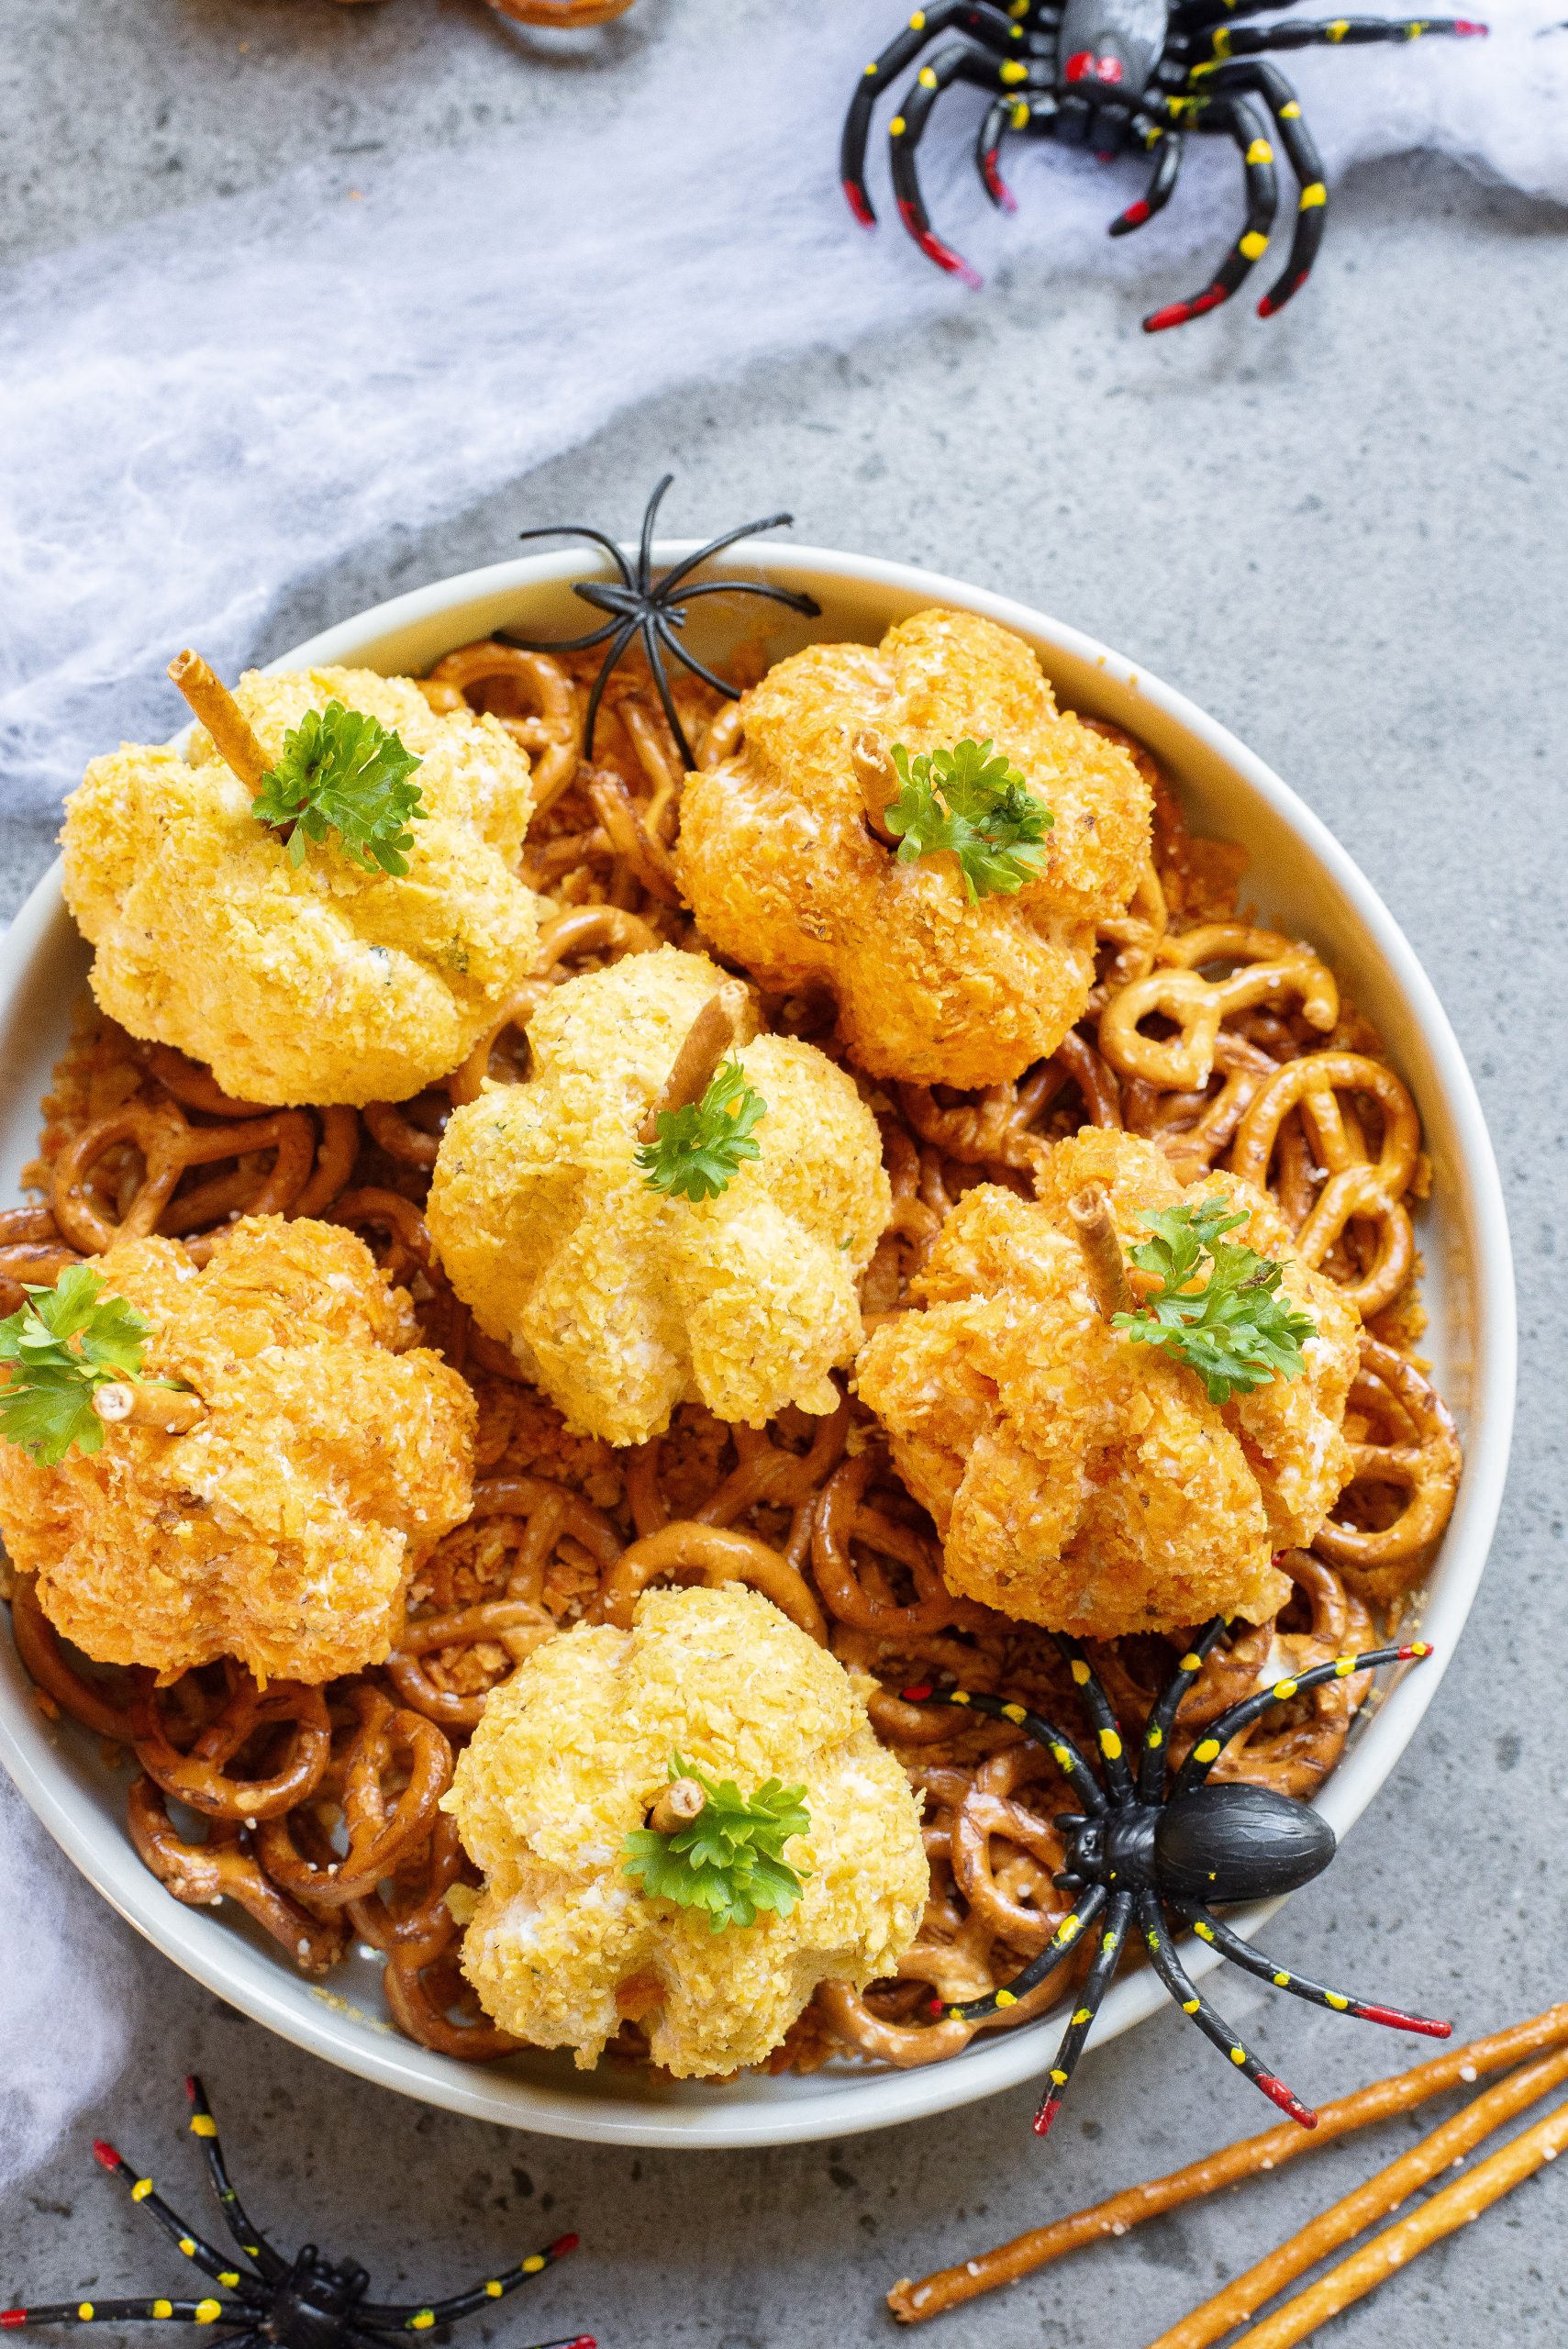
point(699, 1149)
point(47, 1405)
point(1236, 1331)
point(970, 801)
point(341, 771)
point(728, 1861)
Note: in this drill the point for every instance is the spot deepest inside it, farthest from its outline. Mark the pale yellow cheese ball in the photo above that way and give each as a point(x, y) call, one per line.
point(622, 1301)
point(321, 983)
point(570, 1754)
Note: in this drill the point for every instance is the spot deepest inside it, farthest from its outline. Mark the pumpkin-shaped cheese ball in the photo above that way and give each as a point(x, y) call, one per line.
point(572, 1755)
point(315, 980)
point(1079, 1479)
point(327, 1452)
point(780, 861)
point(620, 1299)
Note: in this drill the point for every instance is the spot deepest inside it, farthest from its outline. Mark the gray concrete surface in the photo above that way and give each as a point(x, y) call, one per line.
point(1346, 536)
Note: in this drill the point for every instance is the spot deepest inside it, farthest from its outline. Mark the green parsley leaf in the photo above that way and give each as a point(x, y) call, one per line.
point(970, 801)
point(340, 772)
point(730, 1861)
point(1238, 1331)
point(47, 1405)
point(700, 1148)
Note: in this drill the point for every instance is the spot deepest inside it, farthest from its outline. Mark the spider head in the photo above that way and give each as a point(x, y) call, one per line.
point(315, 2299)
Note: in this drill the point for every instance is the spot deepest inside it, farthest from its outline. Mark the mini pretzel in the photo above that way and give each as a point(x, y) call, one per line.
point(1427, 1469)
point(203, 1875)
point(1193, 1142)
point(712, 1554)
point(641, 851)
point(552, 738)
point(1136, 937)
point(988, 1809)
point(723, 735)
point(413, 1907)
point(581, 929)
point(996, 1126)
point(168, 1144)
point(1274, 971)
point(411, 1248)
point(192, 1086)
point(32, 1254)
point(393, 1130)
point(109, 1709)
point(518, 1620)
point(842, 1518)
point(422, 2013)
point(1357, 1190)
point(655, 755)
point(200, 1778)
point(379, 1831)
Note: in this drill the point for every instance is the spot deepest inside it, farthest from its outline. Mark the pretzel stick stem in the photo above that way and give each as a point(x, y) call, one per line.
point(878, 780)
point(1376, 2200)
point(717, 1026)
point(212, 702)
point(1446, 2211)
point(123, 1406)
point(934, 2294)
point(1094, 1230)
point(676, 1807)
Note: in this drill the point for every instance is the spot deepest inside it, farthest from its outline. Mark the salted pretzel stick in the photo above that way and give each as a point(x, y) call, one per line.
point(1378, 2260)
point(934, 2295)
point(123, 1406)
point(1363, 2208)
point(212, 702)
point(718, 1026)
point(878, 780)
point(1095, 1229)
point(680, 1803)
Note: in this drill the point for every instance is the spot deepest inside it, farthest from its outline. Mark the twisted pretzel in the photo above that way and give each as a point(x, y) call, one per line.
point(1293, 1751)
point(987, 1809)
point(1359, 1189)
point(996, 1126)
point(1194, 1128)
point(203, 1875)
point(842, 1520)
point(379, 1832)
point(200, 1778)
point(712, 1554)
point(109, 1709)
point(1425, 1469)
point(518, 1621)
point(632, 838)
point(551, 735)
point(168, 1144)
point(1274, 971)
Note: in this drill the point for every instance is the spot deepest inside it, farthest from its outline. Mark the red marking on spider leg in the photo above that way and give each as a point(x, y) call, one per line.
point(1272, 303)
point(1049, 2106)
point(1286, 2099)
point(1176, 314)
point(1416, 1649)
point(917, 1696)
point(1465, 27)
point(11, 2318)
point(104, 2152)
point(191, 2089)
point(1136, 214)
point(995, 182)
point(931, 245)
point(934, 2005)
point(1397, 2021)
point(583, 2340)
point(561, 2245)
point(859, 205)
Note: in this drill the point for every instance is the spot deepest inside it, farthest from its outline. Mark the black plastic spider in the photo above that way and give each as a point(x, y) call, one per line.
point(1141, 1848)
point(307, 2303)
point(643, 605)
point(1117, 74)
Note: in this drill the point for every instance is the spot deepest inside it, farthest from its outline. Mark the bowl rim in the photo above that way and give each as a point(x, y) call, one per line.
point(262, 1988)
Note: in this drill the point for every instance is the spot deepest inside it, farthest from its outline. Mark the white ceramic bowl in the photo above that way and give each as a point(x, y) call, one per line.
point(1300, 880)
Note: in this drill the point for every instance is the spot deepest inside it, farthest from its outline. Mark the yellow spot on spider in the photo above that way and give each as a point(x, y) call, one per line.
point(1080, 1673)
point(1260, 152)
point(162, 2307)
point(1013, 71)
point(1155, 1738)
point(1059, 2076)
point(895, 129)
point(1207, 1751)
point(1190, 1663)
point(494, 2290)
point(141, 2189)
point(1107, 1945)
point(229, 2276)
point(208, 2311)
point(1284, 1688)
point(1082, 2015)
point(423, 2322)
point(1281, 1981)
point(533, 2263)
point(1153, 1940)
point(1110, 1745)
point(958, 1696)
point(926, 78)
point(1019, 7)
point(1069, 1927)
point(86, 2311)
point(1343, 1667)
point(1336, 2001)
point(1312, 195)
point(1059, 1755)
point(187, 2246)
point(1290, 111)
point(202, 2125)
point(1414, 31)
point(1014, 1713)
point(1338, 28)
point(918, 21)
point(1205, 1932)
point(1191, 2006)
point(1222, 42)
point(1238, 2054)
point(1252, 244)
point(1005, 1999)
point(1020, 115)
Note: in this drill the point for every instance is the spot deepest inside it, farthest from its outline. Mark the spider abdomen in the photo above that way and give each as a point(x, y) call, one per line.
point(1237, 1843)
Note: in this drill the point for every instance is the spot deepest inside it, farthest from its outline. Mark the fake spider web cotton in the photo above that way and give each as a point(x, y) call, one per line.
point(203, 412)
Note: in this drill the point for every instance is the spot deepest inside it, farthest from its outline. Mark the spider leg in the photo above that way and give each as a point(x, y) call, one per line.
point(1210, 1928)
point(622, 638)
point(1219, 1734)
point(250, 2238)
point(412, 2318)
point(1245, 126)
point(1353, 32)
point(989, 24)
point(1096, 1704)
point(1152, 1760)
point(962, 61)
point(1038, 116)
point(797, 603)
point(1311, 214)
point(85, 2311)
point(717, 546)
point(1096, 1982)
point(1177, 1981)
point(1056, 1742)
point(1075, 1923)
point(654, 626)
point(205, 2255)
point(584, 531)
point(645, 542)
point(690, 661)
point(1170, 147)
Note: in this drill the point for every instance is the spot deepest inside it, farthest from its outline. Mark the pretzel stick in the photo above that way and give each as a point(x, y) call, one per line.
point(123, 1406)
point(717, 1026)
point(934, 2294)
point(212, 702)
point(680, 1803)
point(1376, 2200)
point(1094, 1230)
point(878, 780)
point(1376, 2261)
